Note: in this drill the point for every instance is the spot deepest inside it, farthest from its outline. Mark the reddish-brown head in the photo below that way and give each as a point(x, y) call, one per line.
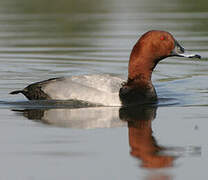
point(152, 47)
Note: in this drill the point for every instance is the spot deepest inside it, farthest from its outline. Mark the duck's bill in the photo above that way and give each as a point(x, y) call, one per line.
point(190, 55)
point(180, 51)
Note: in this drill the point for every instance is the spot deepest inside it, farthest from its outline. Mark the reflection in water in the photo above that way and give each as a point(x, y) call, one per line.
point(142, 142)
point(139, 119)
point(144, 145)
point(84, 118)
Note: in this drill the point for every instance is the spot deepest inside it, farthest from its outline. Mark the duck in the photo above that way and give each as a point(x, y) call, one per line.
point(152, 47)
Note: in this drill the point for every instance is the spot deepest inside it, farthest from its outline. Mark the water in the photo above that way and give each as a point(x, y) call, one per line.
point(47, 140)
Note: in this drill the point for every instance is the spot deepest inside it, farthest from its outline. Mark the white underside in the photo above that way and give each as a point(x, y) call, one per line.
point(98, 89)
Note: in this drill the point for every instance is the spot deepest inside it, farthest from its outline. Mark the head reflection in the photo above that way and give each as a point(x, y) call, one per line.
point(142, 143)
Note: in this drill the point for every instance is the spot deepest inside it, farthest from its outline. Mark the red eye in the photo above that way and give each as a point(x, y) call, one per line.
point(162, 38)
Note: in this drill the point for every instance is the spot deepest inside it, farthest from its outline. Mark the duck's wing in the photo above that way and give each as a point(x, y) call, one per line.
point(98, 89)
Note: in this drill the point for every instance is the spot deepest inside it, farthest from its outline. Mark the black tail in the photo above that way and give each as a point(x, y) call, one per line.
point(17, 92)
point(32, 92)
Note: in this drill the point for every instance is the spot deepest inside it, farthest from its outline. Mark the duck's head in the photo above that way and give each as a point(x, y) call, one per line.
point(152, 47)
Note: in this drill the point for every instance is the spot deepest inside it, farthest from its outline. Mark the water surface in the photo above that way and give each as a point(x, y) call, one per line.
point(43, 140)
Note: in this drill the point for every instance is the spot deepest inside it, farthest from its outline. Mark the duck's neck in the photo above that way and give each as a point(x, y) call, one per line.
point(141, 64)
point(140, 72)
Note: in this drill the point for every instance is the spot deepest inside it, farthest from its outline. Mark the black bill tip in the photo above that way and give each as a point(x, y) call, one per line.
point(197, 56)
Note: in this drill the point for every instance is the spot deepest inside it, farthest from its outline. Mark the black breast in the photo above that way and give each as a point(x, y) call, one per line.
point(135, 96)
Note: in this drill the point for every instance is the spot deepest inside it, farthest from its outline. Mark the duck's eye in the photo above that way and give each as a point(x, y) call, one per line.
point(162, 38)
